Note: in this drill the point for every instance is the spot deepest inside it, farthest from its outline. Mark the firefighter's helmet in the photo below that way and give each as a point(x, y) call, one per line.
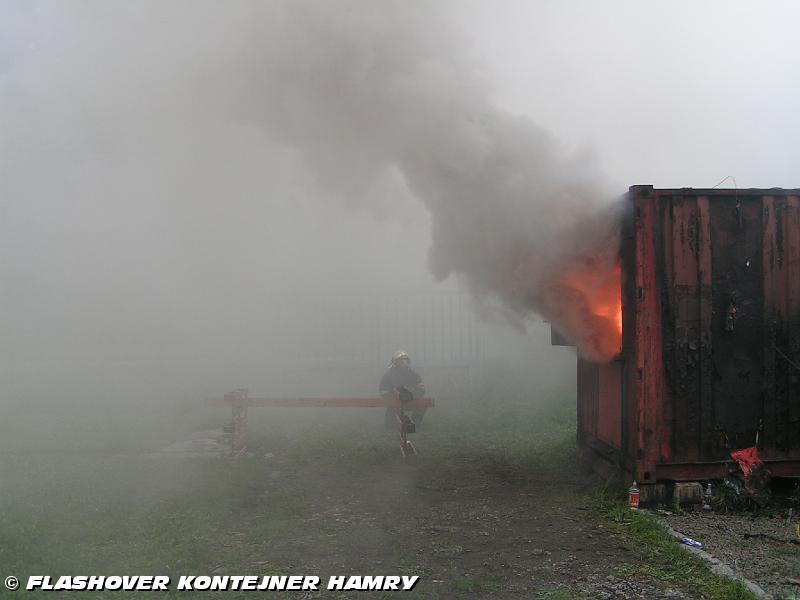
point(401, 357)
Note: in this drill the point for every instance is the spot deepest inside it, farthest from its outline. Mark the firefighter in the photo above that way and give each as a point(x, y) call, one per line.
point(398, 378)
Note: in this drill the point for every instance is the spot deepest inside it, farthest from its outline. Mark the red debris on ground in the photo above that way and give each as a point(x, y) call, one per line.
point(756, 474)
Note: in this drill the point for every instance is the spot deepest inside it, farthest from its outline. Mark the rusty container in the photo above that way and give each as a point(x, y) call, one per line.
point(710, 358)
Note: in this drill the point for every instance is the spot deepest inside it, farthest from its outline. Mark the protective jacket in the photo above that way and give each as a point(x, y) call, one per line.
point(406, 377)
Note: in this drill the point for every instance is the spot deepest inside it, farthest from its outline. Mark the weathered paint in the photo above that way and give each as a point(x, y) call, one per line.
point(609, 408)
point(685, 389)
point(647, 351)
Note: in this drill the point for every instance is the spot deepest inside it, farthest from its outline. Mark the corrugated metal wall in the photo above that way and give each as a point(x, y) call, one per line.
point(711, 340)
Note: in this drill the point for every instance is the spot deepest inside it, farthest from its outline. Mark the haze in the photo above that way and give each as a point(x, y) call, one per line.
point(188, 199)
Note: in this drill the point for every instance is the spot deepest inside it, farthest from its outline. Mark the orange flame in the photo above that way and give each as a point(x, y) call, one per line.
point(585, 305)
point(604, 297)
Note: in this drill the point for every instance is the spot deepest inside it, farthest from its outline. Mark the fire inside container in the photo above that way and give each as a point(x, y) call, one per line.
point(706, 323)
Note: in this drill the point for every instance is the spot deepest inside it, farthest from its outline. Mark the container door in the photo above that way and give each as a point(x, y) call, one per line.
point(737, 321)
point(609, 404)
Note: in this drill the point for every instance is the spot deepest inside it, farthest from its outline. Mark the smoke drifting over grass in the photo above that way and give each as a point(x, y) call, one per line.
point(365, 92)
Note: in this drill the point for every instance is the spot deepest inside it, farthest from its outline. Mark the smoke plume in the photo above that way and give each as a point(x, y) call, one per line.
point(364, 88)
point(362, 91)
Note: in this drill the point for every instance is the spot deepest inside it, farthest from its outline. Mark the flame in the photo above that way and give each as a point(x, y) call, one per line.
point(604, 297)
point(585, 305)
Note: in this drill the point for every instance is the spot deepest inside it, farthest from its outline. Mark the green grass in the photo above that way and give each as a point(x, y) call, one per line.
point(121, 515)
point(90, 500)
point(554, 594)
point(107, 507)
point(657, 554)
point(485, 581)
point(507, 433)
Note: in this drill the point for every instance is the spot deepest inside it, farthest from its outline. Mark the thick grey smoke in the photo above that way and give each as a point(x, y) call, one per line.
point(365, 88)
point(365, 92)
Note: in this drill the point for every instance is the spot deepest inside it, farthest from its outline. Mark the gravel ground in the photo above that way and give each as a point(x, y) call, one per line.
point(609, 587)
point(768, 562)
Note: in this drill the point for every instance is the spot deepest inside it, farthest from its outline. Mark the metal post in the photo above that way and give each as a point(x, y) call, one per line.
point(238, 400)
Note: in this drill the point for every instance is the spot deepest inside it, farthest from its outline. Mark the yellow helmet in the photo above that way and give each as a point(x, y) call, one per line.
point(400, 355)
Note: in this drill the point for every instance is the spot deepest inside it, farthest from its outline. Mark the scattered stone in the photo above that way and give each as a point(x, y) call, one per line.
point(753, 558)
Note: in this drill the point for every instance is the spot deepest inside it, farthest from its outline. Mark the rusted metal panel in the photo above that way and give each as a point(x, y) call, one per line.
point(609, 404)
point(647, 353)
point(738, 298)
point(717, 470)
point(708, 436)
point(587, 400)
point(711, 338)
point(599, 418)
point(781, 260)
point(791, 262)
point(684, 324)
point(774, 307)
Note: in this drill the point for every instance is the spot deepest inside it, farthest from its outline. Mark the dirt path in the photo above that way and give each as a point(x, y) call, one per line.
point(474, 526)
point(494, 508)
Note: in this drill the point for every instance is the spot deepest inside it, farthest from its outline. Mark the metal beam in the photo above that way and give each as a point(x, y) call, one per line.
point(326, 402)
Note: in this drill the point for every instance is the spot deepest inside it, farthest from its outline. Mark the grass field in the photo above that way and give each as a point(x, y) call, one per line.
point(495, 506)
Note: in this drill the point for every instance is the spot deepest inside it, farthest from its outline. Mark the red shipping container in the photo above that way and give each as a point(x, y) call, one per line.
point(710, 356)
